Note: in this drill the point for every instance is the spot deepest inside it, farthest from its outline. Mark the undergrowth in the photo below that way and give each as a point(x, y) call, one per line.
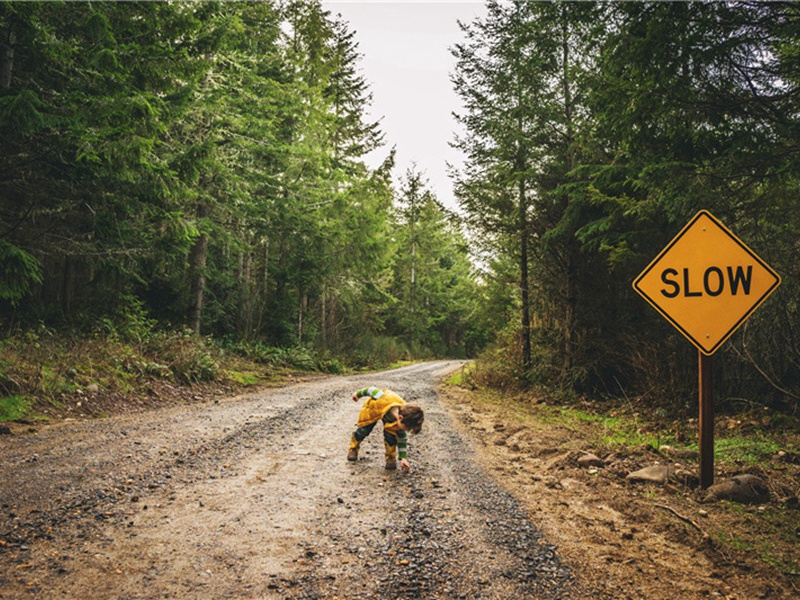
point(742, 439)
point(39, 367)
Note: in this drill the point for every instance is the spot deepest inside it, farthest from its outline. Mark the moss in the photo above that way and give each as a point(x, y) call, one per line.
point(14, 407)
point(245, 378)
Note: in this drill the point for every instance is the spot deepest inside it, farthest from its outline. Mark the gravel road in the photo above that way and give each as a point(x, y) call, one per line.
point(251, 497)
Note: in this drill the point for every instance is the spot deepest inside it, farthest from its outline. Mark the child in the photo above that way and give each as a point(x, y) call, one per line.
point(398, 418)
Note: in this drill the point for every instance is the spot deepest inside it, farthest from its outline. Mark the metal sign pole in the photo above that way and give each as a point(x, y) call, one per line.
point(706, 392)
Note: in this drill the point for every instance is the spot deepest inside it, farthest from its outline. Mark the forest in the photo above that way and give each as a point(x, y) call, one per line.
point(178, 174)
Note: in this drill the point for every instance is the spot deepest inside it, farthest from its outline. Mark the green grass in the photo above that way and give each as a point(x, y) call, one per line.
point(771, 534)
point(245, 378)
point(401, 363)
point(461, 377)
point(14, 407)
point(605, 430)
point(598, 429)
point(752, 449)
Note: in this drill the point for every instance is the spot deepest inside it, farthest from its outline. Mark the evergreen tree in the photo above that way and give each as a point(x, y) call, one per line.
point(433, 280)
point(517, 75)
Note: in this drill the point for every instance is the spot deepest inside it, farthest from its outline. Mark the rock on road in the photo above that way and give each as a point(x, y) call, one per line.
point(251, 497)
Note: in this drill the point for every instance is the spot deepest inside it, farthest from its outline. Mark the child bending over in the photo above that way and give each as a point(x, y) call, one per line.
point(397, 417)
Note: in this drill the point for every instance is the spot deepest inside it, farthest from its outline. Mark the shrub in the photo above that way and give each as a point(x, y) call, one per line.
point(129, 321)
point(188, 356)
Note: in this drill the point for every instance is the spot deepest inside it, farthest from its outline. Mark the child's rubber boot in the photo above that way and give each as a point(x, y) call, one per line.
point(391, 457)
point(352, 454)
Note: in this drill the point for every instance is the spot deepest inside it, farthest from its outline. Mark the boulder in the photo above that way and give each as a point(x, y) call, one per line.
point(653, 474)
point(590, 460)
point(679, 453)
point(744, 488)
point(687, 478)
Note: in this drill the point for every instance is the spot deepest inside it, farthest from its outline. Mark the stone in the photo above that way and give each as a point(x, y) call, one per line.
point(687, 478)
point(653, 474)
point(590, 460)
point(679, 453)
point(744, 488)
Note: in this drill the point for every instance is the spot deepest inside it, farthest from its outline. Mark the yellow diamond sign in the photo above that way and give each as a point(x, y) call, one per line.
point(706, 282)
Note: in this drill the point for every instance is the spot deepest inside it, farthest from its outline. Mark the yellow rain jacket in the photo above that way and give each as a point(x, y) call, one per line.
point(374, 410)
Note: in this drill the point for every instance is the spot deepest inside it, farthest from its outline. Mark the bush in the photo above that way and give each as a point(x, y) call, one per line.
point(298, 358)
point(129, 321)
point(328, 364)
point(189, 357)
point(295, 357)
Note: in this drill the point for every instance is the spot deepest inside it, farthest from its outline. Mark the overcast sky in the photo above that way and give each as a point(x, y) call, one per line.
point(406, 60)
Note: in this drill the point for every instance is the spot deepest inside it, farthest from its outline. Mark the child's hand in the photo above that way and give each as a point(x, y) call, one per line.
point(355, 398)
point(404, 465)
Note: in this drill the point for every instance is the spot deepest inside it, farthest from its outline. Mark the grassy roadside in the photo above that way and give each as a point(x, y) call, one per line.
point(757, 442)
point(743, 440)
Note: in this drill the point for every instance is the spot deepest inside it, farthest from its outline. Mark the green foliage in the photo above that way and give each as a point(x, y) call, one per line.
point(376, 351)
point(42, 370)
point(129, 321)
point(297, 357)
point(329, 364)
point(18, 272)
point(594, 132)
point(294, 357)
point(21, 113)
point(189, 358)
point(433, 281)
point(201, 164)
point(14, 407)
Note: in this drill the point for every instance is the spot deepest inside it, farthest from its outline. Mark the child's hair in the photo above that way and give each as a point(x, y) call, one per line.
point(413, 416)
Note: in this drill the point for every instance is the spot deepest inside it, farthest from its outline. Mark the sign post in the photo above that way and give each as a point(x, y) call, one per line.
point(706, 421)
point(706, 282)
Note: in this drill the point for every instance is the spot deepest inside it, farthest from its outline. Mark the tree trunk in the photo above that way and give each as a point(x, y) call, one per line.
point(301, 309)
point(197, 270)
point(569, 312)
point(245, 324)
point(323, 325)
point(523, 277)
point(520, 163)
point(571, 250)
point(261, 291)
point(8, 39)
point(68, 285)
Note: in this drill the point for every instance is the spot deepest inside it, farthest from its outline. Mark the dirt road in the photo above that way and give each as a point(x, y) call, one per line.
point(251, 497)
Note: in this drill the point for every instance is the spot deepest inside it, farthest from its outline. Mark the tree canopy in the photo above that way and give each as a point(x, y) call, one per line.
point(593, 133)
point(204, 162)
point(205, 159)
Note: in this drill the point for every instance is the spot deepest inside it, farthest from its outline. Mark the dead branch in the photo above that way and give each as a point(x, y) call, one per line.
point(706, 537)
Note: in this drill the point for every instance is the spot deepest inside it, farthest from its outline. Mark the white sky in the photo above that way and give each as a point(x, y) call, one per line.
point(405, 47)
